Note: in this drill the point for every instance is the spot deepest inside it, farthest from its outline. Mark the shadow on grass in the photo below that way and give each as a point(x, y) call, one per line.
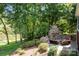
point(6, 50)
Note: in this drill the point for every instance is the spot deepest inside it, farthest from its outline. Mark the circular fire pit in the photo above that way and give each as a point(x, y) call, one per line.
point(54, 41)
point(61, 42)
point(65, 42)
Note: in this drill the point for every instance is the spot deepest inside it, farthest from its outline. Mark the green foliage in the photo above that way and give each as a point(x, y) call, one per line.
point(52, 51)
point(63, 25)
point(31, 43)
point(64, 53)
point(43, 47)
point(68, 53)
point(19, 51)
point(33, 20)
point(73, 53)
point(44, 28)
point(28, 44)
point(37, 42)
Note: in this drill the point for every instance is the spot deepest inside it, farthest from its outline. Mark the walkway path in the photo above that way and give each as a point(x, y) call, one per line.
point(31, 51)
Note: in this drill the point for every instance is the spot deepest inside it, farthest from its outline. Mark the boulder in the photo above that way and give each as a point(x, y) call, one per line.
point(44, 39)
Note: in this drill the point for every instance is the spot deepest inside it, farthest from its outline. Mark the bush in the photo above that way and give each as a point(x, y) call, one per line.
point(28, 44)
point(21, 52)
point(18, 50)
point(43, 47)
point(73, 53)
point(64, 53)
point(37, 42)
point(73, 37)
point(52, 51)
point(31, 43)
point(68, 53)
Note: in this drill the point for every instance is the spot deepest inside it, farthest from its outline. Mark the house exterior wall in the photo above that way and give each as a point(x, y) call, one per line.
point(78, 32)
point(78, 40)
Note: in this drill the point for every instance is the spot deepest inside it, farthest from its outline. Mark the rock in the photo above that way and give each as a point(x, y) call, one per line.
point(45, 39)
point(53, 32)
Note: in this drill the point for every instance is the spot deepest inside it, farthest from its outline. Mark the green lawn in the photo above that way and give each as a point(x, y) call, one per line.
point(8, 49)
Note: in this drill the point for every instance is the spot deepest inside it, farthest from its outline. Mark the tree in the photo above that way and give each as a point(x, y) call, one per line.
point(34, 20)
point(2, 6)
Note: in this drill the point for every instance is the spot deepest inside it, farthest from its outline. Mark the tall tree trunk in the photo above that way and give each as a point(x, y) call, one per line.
point(5, 30)
point(15, 37)
point(20, 35)
point(20, 32)
point(33, 31)
point(21, 38)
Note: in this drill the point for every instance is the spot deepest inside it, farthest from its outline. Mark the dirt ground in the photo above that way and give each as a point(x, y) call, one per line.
point(28, 52)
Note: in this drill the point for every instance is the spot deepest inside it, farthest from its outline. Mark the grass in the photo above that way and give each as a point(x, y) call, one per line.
point(8, 49)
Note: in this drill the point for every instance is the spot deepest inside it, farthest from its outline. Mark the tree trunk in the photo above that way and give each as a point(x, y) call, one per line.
point(33, 30)
point(20, 35)
point(15, 37)
point(5, 31)
point(21, 38)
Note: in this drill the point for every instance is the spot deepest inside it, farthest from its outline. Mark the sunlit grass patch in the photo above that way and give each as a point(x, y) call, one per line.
point(8, 49)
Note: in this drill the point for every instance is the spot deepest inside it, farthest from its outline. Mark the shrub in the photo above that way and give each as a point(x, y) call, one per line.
point(21, 52)
point(64, 53)
point(37, 42)
point(73, 53)
point(34, 42)
point(52, 51)
point(73, 37)
point(28, 44)
point(18, 50)
point(68, 52)
point(43, 47)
